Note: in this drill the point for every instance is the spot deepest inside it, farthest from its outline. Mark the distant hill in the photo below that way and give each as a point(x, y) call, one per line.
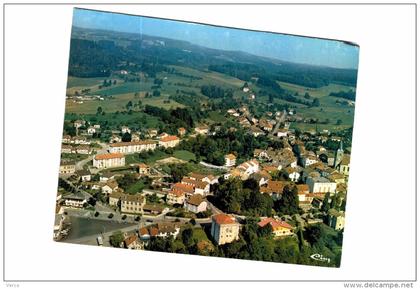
point(96, 53)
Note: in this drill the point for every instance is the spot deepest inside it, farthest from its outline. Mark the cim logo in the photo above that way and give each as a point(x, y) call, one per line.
point(321, 258)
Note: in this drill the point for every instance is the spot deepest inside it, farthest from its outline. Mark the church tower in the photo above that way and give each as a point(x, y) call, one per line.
point(338, 155)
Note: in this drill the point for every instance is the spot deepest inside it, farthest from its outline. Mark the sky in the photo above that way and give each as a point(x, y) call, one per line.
point(297, 49)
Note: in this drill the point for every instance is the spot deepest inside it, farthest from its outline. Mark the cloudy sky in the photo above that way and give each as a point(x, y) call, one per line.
point(284, 47)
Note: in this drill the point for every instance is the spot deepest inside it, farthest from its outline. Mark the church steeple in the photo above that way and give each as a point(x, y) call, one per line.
point(339, 155)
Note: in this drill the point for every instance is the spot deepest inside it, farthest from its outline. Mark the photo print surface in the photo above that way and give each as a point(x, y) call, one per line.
point(198, 139)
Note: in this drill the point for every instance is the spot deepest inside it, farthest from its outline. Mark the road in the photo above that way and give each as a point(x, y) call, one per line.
point(213, 166)
point(281, 119)
point(102, 150)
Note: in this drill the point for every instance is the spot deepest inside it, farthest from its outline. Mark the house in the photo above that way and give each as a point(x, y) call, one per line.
point(76, 200)
point(186, 188)
point(321, 185)
point(152, 132)
point(83, 149)
point(336, 219)
point(135, 137)
point(85, 175)
point(143, 169)
point(337, 178)
point(274, 188)
point(114, 198)
point(292, 174)
point(182, 131)
point(66, 149)
point(106, 176)
point(153, 209)
point(282, 132)
point(265, 124)
point(132, 203)
point(67, 167)
point(279, 228)
point(125, 129)
point(66, 139)
point(304, 196)
point(166, 229)
point(175, 197)
point(230, 160)
point(169, 141)
point(80, 140)
point(200, 187)
point(131, 242)
point(79, 123)
point(224, 229)
point(271, 169)
point(195, 204)
point(203, 130)
point(109, 187)
point(132, 147)
point(248, 168)
point(308, 159)
point(91, 130)
point(144, 234)
point(344, 165)
point(115, 139)
point(231, 111)
point(210, 179)
point(255, 131)
point(110, 160)
point(261, 177)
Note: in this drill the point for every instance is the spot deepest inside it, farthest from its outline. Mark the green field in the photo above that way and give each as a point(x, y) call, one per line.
point(83, 82)
point(184, 155)
point(315, 92)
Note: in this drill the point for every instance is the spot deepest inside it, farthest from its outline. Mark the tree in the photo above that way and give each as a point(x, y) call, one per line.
point(289, 202)
point(339, 122)
point(129, 105)
point(116, 239)
point(307, 96)
point(326, 203)
point(126, 137)
point(99, 110)
point(315, 102)
point(92, 201)
point(313, 234)
point(187, 237)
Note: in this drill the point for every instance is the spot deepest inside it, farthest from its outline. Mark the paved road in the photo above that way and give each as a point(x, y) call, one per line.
point(213, 166)
point(102, 150)
point(281, 119)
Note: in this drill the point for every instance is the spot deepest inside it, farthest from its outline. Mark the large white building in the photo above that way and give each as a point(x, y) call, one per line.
point(169, 141)
point(103, 161)
point(132, 147)
point(321, 185)
point(224, 229)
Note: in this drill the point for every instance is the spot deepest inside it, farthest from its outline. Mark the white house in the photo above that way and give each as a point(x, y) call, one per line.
point(195, 204)
point(230, 160)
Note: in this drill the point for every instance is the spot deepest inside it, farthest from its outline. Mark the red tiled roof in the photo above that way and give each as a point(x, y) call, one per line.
point(154, 231)
point(183, 187)
point(274, 223)
point(143, 231)
point(130, 240)
point(222, 219)
point(169, 138)
point(109, 156)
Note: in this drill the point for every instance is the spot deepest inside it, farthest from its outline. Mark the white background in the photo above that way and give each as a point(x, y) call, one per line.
point(380, 229)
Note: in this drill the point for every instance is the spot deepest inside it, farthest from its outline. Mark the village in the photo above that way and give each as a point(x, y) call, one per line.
point(93, 175)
